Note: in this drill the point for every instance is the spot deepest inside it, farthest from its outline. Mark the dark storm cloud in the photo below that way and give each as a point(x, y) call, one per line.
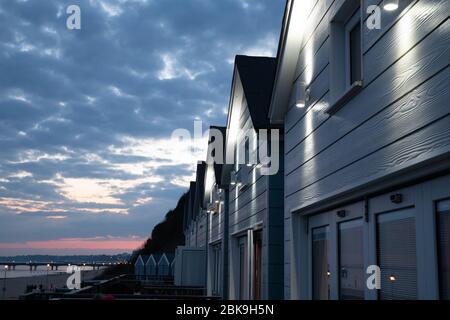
point(93, 109)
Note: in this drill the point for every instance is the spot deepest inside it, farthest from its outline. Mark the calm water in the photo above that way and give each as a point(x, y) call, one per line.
point(24, 271)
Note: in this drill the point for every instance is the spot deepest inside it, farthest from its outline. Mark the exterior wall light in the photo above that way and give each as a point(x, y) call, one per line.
point(233, 178)
point(341, 213)
point(390, 5)
point(301, 102)
point(392, 278)
point(396, 198)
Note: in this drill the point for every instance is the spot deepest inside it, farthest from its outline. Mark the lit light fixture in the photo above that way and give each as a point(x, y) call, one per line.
point(390, 5)
point(217, 201)
point(233, 177)
point(6, 267)
point(300, 103)
point(392, 278)
point(328, 273)
point(303, 100)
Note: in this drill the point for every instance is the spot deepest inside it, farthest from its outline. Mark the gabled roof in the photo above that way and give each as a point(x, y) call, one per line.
point(253, 77)
point(257, 75)
point(218, 167)
point(287, 57)
point(142, 258)
point(168, 257)
point(153, 258)
point(192, 188)
point(189, 205)
point(200, 188)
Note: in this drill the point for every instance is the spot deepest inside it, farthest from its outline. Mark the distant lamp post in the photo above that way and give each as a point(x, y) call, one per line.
point(390, 5)
point(4, 282)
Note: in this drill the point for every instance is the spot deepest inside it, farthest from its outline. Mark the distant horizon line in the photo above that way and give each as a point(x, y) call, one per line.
point(65, 255)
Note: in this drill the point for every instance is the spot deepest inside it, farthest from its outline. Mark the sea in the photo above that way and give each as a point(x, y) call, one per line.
point(24, 271)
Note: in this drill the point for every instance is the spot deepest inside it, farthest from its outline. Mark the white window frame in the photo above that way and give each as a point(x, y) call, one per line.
point(341, 90)
point(350, 24)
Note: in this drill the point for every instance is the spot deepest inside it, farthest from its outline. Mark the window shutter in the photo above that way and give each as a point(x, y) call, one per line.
point(397, 256)
point(444, 248)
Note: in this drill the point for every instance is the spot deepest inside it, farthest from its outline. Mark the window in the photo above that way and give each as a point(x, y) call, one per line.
point(320, 264)
point(351, 260)
point(443, 234)
point(345, 55)
point(353, 50)
point(396, 244)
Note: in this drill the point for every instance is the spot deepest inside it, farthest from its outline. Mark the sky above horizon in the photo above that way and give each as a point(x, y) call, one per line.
point(86, 160)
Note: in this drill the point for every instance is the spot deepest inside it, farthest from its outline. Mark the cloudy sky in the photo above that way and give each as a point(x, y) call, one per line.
point(86, 116)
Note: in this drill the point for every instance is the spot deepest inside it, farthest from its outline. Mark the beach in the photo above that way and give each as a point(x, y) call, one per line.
point(15, 287)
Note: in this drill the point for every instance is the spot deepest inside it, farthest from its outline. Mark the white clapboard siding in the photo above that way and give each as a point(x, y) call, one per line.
point(416, 110)
point(412, 28)
point(400, 118)
point(426, 59)
point(248, 195)
point(418, 147)
point(250, 208)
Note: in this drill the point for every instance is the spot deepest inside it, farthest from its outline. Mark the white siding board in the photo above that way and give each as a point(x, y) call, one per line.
point(423, 61)
point(416, 110)
point(430, 142)
point(412, 28)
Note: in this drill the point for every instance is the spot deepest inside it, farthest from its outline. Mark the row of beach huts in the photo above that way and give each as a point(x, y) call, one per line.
point(337, 163)
point(154, 266)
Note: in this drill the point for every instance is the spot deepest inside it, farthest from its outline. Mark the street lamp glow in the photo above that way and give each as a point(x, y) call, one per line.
point(390, 5)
